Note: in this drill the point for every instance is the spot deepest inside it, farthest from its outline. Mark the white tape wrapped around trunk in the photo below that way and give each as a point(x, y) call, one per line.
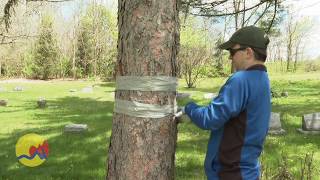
point(136, 109)
point(146, 83)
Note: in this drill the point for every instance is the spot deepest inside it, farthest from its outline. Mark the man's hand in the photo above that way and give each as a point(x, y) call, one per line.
point(180, 116)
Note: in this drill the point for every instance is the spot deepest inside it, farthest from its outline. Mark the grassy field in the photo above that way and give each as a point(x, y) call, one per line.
point(84, 156)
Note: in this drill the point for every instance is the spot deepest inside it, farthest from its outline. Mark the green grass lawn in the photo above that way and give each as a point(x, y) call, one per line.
point(83, 156)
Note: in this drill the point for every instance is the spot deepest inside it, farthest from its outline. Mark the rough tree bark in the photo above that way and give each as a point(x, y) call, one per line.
point(148, 41)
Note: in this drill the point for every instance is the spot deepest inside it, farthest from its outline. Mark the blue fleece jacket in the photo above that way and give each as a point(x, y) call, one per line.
point(238, 119)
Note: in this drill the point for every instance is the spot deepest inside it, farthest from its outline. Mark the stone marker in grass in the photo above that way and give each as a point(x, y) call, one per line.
point(183, 96)
point(284, 94)
point(88, 89)
point(72, 90)
point(310, 124)
point(42, 102)
point(18, 88)
point(275, 127)
point(3, 102)
point(76, 128)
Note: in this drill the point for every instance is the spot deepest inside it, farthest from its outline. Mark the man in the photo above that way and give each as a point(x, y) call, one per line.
point(239, 116)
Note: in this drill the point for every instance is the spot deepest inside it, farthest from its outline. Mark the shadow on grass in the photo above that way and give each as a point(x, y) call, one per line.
point(293, 144)
point(106, 84)
point(298, 109)
point(303, 98)
point(191, 150)
point(71, 156)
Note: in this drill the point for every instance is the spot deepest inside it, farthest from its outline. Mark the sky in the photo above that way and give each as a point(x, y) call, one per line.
point(69, 7)
point(309, 8)
point(302, 8)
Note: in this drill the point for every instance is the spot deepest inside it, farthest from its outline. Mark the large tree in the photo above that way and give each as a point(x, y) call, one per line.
point(96, 42)
point(144, 148)
point(46, 51)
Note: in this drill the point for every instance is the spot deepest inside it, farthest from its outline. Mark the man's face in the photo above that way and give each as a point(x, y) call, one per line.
point(238, 57)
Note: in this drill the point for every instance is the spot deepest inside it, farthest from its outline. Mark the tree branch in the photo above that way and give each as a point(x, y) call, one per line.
point(11, 39)
point(9, 9)
point(233, 13)
point(244, 14)
point(54, 1)
point(274, 15)
point(247, 20)
point(195, 3)
point(264, 11)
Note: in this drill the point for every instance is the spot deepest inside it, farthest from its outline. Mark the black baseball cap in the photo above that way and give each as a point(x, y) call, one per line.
point(248, 36)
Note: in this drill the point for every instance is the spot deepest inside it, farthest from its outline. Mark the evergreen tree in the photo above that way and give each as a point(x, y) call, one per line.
point(84, 52)
point(96, 42)
point(46, 50)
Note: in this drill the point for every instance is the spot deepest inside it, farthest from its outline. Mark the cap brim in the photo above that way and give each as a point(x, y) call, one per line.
point(227, 45)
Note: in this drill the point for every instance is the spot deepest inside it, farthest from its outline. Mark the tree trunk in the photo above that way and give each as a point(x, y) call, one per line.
point(236, 6)
point(243, 14)
point(296, 55)
point(289, 55)
point(144, 148)
point(74, 43)
point(95, 38)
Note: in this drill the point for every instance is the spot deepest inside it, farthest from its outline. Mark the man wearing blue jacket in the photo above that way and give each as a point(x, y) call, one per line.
point(239, 116)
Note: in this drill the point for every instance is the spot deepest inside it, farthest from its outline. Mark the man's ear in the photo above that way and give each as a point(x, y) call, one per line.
point(250, 52)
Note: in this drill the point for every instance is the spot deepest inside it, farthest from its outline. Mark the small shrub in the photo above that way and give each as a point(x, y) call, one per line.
point(312, 66)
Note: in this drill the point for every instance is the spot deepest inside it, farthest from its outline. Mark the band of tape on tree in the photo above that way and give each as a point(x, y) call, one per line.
point(136, 109)
point(145, 83)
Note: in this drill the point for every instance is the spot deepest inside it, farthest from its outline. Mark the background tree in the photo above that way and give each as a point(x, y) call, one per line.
point(219, 59)
point(46, 51)
point(296, 30)
point(84, 50)
point(302, 36)
point(96, 42)
point(93, 54)
point(194, 53)
point(193, 61)
point(244, 12)
point(15, 42)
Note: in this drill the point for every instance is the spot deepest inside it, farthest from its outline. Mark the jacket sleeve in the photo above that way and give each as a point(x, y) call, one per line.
point(232, 100)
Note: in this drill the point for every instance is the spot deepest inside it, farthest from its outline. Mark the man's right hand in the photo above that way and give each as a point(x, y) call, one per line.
point(180, 116)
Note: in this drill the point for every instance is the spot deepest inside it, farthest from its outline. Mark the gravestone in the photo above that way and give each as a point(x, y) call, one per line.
point(76, 128)
point(42, 102)
point(275, 127)
point(72, 90)
point(88, 89)
point(285, 94)
point(3, 102)
point(18, 88)
point(310, 124)
point(209, 95)
point(275, 94)
point(181, 96)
